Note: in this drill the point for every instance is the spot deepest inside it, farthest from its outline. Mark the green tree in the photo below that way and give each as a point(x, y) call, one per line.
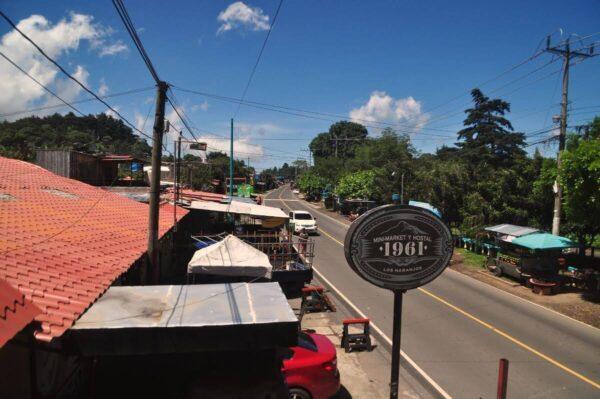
point(360, 185)
point(488, 137)
point(580, 178)
point(344, 137)
point(312, 184)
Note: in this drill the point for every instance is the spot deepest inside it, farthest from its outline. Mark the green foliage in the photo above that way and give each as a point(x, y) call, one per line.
point(312, 184)
point(580, 179)
point(357, 185)
point(488, 137)
point(343, 138)
point(92, 134)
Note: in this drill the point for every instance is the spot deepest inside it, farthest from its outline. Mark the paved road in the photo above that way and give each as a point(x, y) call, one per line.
point(457, 328)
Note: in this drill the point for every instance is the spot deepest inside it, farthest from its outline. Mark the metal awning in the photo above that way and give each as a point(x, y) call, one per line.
point(241, 208)
point(512, 230)
point(186, 318)
point(544, 241)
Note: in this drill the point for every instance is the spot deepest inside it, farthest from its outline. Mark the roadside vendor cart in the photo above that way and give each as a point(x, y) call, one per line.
point(537, 259)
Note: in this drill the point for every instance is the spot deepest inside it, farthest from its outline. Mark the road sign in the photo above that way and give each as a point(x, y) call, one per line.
point(398, 247)
point(198, 146)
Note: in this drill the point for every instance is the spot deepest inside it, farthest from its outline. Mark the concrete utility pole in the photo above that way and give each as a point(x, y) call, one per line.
point(565, 52)
point(231, 161)
point(157, 137)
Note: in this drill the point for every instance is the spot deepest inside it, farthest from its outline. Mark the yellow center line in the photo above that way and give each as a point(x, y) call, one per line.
point(485, 324)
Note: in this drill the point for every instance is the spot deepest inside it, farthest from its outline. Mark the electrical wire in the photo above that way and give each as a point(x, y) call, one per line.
point(74, 79)
point(306, 113)
point(260, 53)
point(40, 84)
point(118, 94)
point(126, 19)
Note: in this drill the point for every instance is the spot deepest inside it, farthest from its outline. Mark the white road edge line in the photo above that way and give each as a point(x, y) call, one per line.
point(430, 380)
point(488, 285)
point(419, 370)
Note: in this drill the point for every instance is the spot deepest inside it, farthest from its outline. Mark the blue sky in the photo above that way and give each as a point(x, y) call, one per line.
point(391, 62)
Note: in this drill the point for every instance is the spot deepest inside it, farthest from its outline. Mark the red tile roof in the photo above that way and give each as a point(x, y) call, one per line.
point(64, 242)
point(15, 312)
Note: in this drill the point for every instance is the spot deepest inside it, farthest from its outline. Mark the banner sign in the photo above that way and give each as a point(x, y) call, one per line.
point(398, 247)
point(198, 146)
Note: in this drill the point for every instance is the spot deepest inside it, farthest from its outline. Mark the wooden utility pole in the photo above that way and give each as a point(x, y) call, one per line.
point(231, 161)
point(157, 137)
point(565, 52)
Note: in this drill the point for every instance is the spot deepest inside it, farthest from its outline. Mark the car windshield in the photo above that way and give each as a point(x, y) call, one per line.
point(303, 216)
point(305, 341)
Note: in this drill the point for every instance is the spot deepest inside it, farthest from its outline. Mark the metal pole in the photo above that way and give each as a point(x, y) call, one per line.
point(397, 329)
point(402, 190)
point(502, 379)
point(231, 161)
point(159, 125)
point(179, 166)
point(561, 143)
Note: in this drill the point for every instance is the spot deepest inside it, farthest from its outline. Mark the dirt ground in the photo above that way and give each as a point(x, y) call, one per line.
point(571, 303)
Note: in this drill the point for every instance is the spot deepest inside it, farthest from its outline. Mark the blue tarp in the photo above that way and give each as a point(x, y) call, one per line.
point(427, 206)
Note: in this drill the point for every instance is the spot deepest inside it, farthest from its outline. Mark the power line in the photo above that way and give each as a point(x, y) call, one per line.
point(124, 15)
point(40, 84)
point(260, 53)
point(74, 79)
point(501, 74)
point(118, 94)
point(306, 113)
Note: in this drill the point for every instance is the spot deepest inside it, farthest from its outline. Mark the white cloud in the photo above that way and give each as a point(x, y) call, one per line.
point(202, 106)
point(381, 107)
point(18, 92)
point(110, 112)
point(239, 15)
point(259, 129)
point(103, 89)
point(140, 121)
point(242, 147)
point(112, 49)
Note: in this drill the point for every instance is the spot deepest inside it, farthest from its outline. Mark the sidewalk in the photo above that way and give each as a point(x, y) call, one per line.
point(363, 374)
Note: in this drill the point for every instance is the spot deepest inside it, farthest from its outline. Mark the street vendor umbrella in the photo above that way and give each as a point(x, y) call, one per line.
point(541, 241)
point(230, 257)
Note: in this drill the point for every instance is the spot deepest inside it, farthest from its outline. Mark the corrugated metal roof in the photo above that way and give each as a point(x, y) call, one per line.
point(512, 230)
point(188, 318)
point(63, 251)
point(166, 306)
point(16, 312)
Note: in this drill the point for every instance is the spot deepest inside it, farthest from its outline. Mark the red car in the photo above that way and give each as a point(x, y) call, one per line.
point(310, 369)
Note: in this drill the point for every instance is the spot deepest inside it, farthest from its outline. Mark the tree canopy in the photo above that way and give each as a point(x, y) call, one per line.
point(91, 134)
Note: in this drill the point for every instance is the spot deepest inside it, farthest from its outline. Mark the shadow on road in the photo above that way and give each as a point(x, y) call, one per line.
point(342, 394)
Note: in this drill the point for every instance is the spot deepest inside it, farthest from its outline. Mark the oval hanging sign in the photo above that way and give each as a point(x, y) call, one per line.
point(398, 247)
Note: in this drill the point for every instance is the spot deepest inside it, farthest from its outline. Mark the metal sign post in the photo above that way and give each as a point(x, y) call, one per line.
point(398, 247)
point(398, 295)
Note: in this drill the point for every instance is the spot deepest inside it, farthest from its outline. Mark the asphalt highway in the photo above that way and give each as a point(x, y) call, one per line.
point(457, 328)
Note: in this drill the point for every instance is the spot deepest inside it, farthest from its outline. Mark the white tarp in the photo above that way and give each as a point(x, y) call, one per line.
point(241, 208)
point(230, 257)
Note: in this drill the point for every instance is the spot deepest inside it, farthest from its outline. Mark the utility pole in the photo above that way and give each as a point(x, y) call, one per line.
point(564, 51)
point(231, 161)
point(157, 137)
point(402, 189)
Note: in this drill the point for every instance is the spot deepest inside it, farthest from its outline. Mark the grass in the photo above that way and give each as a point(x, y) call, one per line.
point(471, 259)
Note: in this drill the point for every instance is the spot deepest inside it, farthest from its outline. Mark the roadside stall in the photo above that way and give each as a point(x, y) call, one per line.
point(227, 260)
point(264, 229)
point(537, 259)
